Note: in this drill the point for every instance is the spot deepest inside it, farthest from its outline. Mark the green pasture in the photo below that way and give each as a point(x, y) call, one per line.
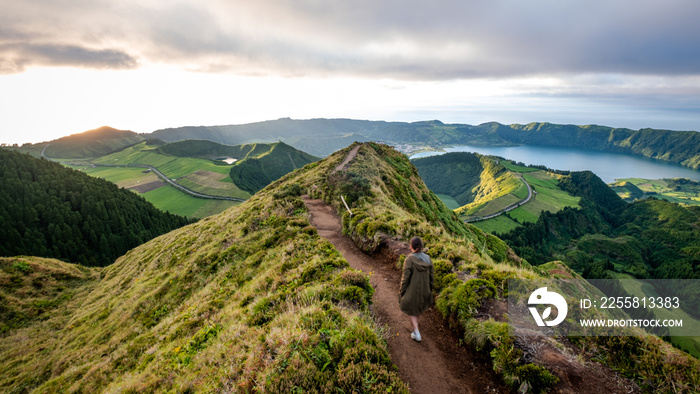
point(123, 176)
point(498, 225)
point(184, 170)
point(449, 201)
point(230, 191)
point(497, 205)
point(547, 197)
point(660, 188)
point(167, 198)
point(516, 168)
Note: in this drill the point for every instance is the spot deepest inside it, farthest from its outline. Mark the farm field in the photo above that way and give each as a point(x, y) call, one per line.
point(199, 175)
point(160, 194)
point(680, 191)
point(168, 198)
point(498, 225)
point(547, 197)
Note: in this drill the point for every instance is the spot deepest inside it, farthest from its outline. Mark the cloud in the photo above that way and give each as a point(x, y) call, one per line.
point(18, 56)
point(407, 39)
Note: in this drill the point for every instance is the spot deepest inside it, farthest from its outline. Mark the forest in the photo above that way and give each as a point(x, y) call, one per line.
point(48, 210)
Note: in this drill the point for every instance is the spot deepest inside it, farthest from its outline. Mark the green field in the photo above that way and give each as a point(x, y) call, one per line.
point(547, 197)
point(515, 190)
point(516, 168)
point(126, 177)
point(166, 197)
point(639, 289)
point(498, 225)
point(673, 190)
point(449, 201)
point(199, 175)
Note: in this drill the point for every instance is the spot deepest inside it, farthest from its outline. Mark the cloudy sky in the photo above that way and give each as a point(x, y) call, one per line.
point(67, 66)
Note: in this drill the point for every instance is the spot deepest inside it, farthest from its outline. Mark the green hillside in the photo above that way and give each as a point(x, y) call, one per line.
point(200, 175)
point(211, 150)
point(89, 144)
point(254, 299)
point(254, 172)
point(48, 210)
point(201, 166)
point(473, 180)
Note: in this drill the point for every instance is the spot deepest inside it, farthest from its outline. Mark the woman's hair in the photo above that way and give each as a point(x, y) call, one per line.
point(416, 244)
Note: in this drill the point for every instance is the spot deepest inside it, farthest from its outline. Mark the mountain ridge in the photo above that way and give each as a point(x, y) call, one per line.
point(682, 147)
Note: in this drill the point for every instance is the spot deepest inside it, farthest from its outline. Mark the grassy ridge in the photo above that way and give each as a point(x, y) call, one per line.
point(34, 289)
point(89, 144)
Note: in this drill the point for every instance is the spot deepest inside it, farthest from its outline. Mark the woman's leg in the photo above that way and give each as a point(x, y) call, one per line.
point(414, 322)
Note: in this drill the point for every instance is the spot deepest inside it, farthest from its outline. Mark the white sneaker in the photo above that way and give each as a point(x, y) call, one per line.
point(415, 335)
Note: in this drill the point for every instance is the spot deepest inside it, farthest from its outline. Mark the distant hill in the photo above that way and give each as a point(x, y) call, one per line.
point(682, 147)
point(254, 173)
point(89, 144)
point(204, 149)
point(48, 210)
point(321, 137)
point(467, 177)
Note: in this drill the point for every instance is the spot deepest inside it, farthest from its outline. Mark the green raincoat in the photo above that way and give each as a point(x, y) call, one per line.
point(416, 293)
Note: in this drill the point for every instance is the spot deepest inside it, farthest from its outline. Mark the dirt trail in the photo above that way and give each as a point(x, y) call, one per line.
point(351, 155)
point(435, 365)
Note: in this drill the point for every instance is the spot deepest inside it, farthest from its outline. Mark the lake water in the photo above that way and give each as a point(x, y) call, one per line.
point(608, 166)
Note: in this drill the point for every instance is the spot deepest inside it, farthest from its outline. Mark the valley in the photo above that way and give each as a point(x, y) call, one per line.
point(188, 178)
point(258, 296)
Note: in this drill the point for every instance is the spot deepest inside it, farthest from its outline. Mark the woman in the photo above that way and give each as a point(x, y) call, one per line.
point(416, 293)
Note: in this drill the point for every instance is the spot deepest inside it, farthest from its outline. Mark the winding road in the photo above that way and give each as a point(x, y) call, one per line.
point(509, 208)
point(172, 182)
point(163, 177)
